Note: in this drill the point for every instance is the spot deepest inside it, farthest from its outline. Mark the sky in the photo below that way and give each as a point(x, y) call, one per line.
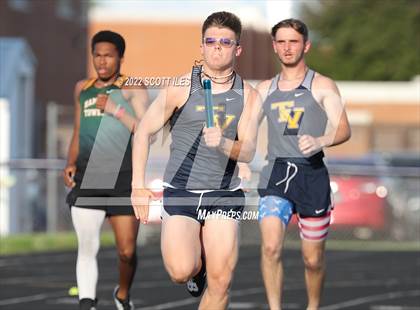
point(259, 14)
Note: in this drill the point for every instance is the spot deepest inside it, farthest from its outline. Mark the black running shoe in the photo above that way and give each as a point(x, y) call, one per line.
point(195, 286)
point(87, 304)
point(125, 304)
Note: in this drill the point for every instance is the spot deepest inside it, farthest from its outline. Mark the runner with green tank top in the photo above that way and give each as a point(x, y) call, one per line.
point(104, 159)
point(99, 168)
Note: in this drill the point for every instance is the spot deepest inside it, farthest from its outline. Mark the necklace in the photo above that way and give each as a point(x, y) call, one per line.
point(215, 79)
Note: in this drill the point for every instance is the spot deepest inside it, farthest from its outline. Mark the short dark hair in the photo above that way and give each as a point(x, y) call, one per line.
point(111, 37)
point(223, 19)
point(296, 24)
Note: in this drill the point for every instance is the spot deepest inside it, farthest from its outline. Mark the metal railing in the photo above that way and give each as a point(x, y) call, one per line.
point(370, 202)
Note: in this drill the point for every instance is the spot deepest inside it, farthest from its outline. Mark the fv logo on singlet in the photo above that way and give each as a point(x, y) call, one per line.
point(288, 113)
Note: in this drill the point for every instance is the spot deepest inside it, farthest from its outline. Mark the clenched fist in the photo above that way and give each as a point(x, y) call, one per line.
point(212, 136)
point(68, 175)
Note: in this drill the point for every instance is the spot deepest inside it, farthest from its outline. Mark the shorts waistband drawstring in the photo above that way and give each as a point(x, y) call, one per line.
point(288, 178)
point(199, 201)
point(202, 192)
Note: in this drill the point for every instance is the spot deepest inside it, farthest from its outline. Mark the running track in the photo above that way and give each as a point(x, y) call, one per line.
point(355, 280)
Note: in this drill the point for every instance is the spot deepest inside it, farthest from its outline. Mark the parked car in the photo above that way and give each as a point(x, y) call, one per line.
point(375, 196)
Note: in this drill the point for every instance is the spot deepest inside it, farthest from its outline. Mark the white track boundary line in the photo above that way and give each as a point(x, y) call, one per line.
point(364, 300)
point(24, 299)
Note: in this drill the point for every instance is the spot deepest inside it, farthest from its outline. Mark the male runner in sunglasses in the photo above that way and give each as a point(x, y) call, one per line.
point(202, 196)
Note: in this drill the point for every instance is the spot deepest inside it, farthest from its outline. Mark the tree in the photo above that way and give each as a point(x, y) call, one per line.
point(364, 40)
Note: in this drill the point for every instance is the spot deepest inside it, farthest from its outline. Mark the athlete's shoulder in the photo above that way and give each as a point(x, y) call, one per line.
point(82, 85)
point(86, 83)
point(251, 95)
point(248, 88)
point(121, 81)
point(178, 89)
point(263, 85)
point(263, 88)
point(322, 82)
point(180, 83)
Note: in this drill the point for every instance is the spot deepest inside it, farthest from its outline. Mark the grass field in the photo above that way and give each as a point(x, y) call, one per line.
point(40, 242)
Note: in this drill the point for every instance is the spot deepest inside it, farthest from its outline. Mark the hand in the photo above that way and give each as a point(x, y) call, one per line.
point(140, 198)
point(101, 100)
point(105, 104)
point(244, 174)
point(68, 175)
point(309, 144)
point(212, 136)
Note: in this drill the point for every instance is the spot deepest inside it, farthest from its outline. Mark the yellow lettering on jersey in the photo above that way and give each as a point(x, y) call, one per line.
point(285, 108)
point(216, 108)
point(228, 120)
point(293, 122)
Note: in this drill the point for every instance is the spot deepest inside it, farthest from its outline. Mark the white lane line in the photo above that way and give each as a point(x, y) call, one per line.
point(193, 300)
point(364, 300)
point(24, 299)
point(247, 291)
point(246, 305)
point(254, 305)
point(174, 304)
point(69, 258)
point(233, 305)
point(392, 307)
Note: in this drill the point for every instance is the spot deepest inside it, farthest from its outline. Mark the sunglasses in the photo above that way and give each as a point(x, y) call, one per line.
point(225, 42)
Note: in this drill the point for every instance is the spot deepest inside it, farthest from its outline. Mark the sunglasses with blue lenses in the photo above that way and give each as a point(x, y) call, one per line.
point(225, 42)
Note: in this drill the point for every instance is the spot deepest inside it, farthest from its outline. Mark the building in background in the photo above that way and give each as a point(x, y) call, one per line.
point(169, 48)
point(385, 117)
point(55, 31)
point(17, 76)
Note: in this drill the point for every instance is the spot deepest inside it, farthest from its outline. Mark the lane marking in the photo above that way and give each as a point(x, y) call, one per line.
point(367, 299)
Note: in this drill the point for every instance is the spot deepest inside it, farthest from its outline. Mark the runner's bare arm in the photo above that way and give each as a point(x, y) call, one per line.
point(262, 89)
point(139, 100)
point(70, 169)
point(245, 172)
point(338, 130)
point(154, 119)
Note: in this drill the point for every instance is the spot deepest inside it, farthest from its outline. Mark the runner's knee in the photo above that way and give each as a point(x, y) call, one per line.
point(313, 262)
point(219, 283)
point(127, 255)
point(88, 246)
point(180, 273)
point(271, 251)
